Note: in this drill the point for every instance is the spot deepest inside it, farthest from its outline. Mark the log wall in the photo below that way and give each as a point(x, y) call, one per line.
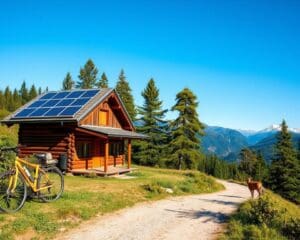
point(37, 138)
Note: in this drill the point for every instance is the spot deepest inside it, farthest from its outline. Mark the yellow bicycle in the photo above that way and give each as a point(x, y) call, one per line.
point(46, 182)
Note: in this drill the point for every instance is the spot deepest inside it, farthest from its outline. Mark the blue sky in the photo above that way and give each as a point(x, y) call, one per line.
point(241, 58)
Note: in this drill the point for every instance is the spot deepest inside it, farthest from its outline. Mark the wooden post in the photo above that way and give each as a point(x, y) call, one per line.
point(106, 155)
point(129, 153)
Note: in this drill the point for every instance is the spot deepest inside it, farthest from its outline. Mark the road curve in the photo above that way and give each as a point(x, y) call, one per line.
point(190, 217)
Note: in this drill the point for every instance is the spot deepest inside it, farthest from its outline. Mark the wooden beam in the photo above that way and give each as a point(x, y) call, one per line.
point(106, 155)
point(129, 153)
point(90, 132)
point(116, 107)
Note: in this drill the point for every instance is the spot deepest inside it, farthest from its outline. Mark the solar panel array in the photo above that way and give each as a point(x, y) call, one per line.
point(57, 104)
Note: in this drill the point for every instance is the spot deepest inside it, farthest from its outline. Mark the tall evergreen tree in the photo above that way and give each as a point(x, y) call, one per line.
point(88, 75)
point(24, 93)
point(32, 93)
point(248, 162)
point(16, 99)
point(298, 153)
point(2, 100)
point(68, 82)
point(40, 91)
point(103, 82)
point(186, 128)
point(9, 103)
point(124, 91)
point(260, 168)
point(152, 151)
point(284, 171)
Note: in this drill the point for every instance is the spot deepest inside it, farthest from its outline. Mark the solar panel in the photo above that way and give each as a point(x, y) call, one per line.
point(65, 102)
point(48, 95)
point(39, 112)
point(58, 104)
point(25, 112)
point(37, 103)
point(50, 103)
point(54, 111)
point(80, 102)
point(69, 111)
point(61, 95)
point(75, 94)
point(90, 93)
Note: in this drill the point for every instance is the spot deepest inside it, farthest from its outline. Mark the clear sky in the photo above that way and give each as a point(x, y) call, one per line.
point(241, 58)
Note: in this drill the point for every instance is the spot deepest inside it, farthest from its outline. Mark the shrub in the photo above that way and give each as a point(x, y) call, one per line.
point(291, 229)
point(269, 217)
point(153, 187)
point(261, 211)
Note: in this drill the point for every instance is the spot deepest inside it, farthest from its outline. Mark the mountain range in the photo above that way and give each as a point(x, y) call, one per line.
point(227, 143)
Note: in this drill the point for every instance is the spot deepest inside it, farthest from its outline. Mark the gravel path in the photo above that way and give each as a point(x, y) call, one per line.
point(189, 217)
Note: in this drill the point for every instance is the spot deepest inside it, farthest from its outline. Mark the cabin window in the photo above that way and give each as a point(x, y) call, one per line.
point(84, 149)
point(116, 148)
point(103, 117)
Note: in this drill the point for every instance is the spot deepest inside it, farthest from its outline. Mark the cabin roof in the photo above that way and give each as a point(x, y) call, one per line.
point(75, 109)
point(113, 132)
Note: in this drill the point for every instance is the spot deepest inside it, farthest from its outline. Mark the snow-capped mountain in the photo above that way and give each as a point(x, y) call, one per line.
point(227, 143)
point(246, 133)
point(253, 137)
point(276, 128)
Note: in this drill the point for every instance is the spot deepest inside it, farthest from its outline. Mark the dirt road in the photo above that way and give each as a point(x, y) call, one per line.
point(190, 217)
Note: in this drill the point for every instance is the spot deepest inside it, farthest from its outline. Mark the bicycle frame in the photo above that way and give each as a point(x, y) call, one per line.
point(19, 170)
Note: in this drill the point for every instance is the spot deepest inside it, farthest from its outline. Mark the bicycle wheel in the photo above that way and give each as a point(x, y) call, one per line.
point(51, 183)
point(12, 200)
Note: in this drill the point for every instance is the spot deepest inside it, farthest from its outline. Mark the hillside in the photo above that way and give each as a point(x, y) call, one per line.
point(227, 143)
point(223, 142)
point(269, 217)
point(266, 145)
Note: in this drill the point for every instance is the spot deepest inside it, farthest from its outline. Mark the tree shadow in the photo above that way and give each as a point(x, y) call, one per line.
point(220, 202)
point(210, 216)
point(232, 196)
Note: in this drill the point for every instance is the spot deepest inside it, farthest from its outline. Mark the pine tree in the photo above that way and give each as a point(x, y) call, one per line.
point(88, 75)
point(284, 171)
point(24, 93)
point(186, 128)
point(248, 162)
point(68, 82)
point(151, 152)
point(298, 153)
point(103, 82)
point(40, 91)
point(32, 93)
point(124, 91)
point(260, 168)
point(16, 99)
point(9, 102)
point(2, 100)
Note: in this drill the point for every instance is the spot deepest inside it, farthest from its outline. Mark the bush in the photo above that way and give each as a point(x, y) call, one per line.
point(261, 211)
point(154, 188)
point(269, 217)
point(291, 229)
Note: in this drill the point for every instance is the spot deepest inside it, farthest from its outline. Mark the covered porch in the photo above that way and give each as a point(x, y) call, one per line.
point(108, 151)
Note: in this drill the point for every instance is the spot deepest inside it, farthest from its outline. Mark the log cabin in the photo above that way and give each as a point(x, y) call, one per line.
point(90, 127)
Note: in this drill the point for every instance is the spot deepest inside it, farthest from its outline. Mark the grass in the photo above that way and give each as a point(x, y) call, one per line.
point(270, 217)
point(85, 198)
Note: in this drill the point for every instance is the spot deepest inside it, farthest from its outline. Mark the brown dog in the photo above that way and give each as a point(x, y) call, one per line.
point(255, 185)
